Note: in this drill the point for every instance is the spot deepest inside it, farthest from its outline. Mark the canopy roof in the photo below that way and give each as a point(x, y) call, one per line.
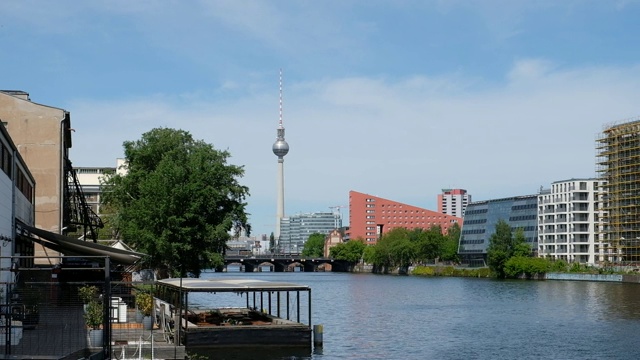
point(230, 285)
point(79, 248)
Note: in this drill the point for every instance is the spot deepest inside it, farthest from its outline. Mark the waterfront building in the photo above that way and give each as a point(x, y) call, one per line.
point(372, 216)
point(568, 218)
point(296, 229)
point(618, 166)
point(42, 135)
point(17, 194)
point(333, 238)
point(453, 202)
point(480, 222)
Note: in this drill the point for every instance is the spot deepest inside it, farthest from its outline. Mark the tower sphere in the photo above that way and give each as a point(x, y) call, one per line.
point(280, 148)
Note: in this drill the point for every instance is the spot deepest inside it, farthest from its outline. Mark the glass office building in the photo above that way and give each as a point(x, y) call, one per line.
point(296, 229)
point(480, 221)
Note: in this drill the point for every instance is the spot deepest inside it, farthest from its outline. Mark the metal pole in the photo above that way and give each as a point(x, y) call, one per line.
point(269, 293)
point(106, 339)
point(298, 305)
point(309, 292)
point(278, 303)
point(288, 305)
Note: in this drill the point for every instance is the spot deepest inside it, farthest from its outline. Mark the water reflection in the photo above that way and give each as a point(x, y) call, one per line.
point(248, 353)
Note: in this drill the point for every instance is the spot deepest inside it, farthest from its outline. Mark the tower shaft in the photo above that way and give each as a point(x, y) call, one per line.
point(280, 149)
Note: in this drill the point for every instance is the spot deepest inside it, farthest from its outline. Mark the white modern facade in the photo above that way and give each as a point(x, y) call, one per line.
point(90, 179)
point(17, 203)
point(568, 221)
point(453, 202)
point(296, 229)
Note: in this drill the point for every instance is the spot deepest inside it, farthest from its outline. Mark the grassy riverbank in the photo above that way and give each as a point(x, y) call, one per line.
point(451, 271)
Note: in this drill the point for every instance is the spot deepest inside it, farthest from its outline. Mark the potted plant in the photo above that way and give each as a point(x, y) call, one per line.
point(144, 303)
point(86, 294)
point(94, 317)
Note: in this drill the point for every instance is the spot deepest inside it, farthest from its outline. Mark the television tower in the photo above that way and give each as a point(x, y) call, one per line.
point(280, 149)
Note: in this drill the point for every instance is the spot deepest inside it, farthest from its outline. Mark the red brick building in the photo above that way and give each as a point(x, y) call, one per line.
point(371, 216)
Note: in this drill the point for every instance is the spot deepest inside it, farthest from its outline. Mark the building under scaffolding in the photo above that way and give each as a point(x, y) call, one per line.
point(618, 164)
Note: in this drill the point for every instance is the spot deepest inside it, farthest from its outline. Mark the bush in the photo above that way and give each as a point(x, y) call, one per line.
point(144, 303)
point(528, 266)
point(558, 266)
point(423, 270)
point(94, 315)
point(87, 293)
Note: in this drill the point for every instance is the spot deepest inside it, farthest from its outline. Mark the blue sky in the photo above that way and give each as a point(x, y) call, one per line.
point(394, 98)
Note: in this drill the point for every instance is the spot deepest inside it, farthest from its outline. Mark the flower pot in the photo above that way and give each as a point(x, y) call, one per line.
point(147, 323)
point(95, 337)
point(139, 316)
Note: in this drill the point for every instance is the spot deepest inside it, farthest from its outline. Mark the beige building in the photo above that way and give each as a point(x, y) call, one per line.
point(42, 135)
point(332, 239)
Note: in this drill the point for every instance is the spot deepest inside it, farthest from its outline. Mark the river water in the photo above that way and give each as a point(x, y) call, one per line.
point(368, 316)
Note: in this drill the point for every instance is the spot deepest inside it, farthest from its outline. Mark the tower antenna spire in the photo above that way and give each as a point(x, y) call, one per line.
point(280, 98)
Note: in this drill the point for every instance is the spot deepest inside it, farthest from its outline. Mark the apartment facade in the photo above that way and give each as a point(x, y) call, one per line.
point(480, 222)
point(372, 216)
point(296, 229)
point(42, 135)
point(568, 218)
point(453, 202)
point(90, 179)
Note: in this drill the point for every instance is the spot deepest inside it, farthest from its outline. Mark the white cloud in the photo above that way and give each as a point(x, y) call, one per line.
point(401, 139)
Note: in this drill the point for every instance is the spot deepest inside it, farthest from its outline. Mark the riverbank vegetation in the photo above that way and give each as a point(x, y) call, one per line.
point(401, 248)
point(451, 271)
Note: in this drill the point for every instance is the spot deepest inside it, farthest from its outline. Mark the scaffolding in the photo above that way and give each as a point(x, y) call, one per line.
point(618, 164)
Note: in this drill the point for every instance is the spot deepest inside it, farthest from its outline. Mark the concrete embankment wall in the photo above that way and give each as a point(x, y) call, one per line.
point(594, 277)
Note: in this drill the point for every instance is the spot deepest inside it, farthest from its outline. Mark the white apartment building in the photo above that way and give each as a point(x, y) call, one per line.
point(568, 218)
point(453, 202)
point(90, 182)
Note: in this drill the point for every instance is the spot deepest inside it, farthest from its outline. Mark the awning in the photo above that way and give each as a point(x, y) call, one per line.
point(74, 247)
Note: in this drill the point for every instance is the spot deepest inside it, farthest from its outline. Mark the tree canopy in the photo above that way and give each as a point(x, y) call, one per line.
point(503, 245)
point(178, 201)
point(314, 246)
point(402, 247)
point(350, 251)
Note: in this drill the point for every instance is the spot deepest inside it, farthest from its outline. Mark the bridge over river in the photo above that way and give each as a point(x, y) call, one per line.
point(282, 263)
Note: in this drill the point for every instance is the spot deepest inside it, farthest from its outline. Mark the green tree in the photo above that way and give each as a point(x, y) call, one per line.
point(314, 246)
point(429, 243)
point(351, 251)
point(272, 243)
point(520, 246)
point(450, 245)
point(370, 254)
point(500, 248)
point(394, 249)
point(178, 201)
point(403, 253)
